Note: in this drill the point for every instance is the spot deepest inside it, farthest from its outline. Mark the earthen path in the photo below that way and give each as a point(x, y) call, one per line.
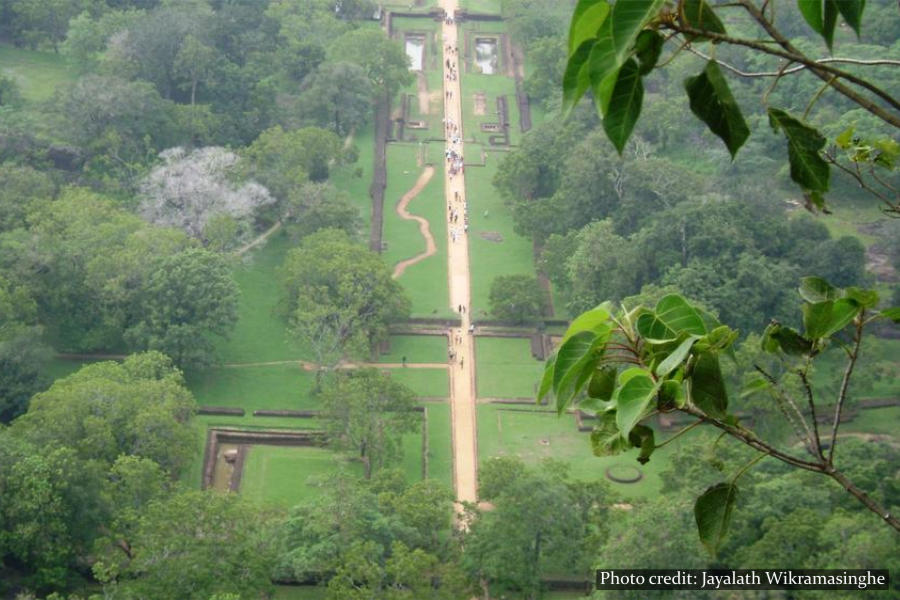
point(424, 228)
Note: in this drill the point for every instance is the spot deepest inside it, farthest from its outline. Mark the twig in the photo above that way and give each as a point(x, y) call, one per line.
point(812, 408)
point(749, 464)
point(792, 70)
point(780, 395)
point(817, 96)
point(842, 395)
point(679, 433)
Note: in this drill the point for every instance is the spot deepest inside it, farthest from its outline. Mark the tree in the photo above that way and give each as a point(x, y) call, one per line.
point(139, 407)
point(383, 59)
point(669, 360)
point(187, 297)
point(87, 37)
point(190, 545)
point(538, 525)
point(22, 353)
point(284, 160)
point(190, 189)
point(613, 47)
point(338, 96)
point(367, 412)
point(21, 189)
point(38, 21)
point(518, 299)
point(316, 206)
point(340, 296)
point(194, 62)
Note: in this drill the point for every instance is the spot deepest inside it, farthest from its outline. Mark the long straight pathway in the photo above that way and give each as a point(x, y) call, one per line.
point(462, 372)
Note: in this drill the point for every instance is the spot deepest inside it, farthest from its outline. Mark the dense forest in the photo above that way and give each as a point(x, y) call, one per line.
point(151, 151)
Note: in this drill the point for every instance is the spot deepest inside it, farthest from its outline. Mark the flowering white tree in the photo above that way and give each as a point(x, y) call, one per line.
point(190, 189)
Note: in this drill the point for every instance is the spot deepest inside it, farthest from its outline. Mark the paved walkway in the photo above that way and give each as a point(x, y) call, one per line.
point(462, 372)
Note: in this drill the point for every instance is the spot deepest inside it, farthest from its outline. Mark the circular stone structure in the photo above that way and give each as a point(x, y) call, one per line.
point(624, 474)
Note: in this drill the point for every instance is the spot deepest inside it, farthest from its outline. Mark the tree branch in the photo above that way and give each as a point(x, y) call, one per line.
point(819, 69)
point(835, 59)
point(842, 395)
point(863, 497)
point(812, 409)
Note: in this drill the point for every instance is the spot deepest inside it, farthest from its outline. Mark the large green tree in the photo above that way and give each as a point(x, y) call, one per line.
point(340, 296)
point(366, 412)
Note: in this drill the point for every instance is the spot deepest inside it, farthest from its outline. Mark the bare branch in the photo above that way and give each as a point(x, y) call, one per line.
point(821, 61)
point(812, 408)
point(842, 395)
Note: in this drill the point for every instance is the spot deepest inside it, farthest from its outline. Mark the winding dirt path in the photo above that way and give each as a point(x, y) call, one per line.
point(424, 227)
point(262, 238)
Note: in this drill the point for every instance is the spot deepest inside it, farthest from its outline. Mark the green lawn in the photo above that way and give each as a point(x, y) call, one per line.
point(489, 258)
point(505, 368)
point(287, 475)
point(260, 334)
point(416, 349)
point(876, 420)
point(426, 281)
point(433, 383)
point(481, 6)
point(440, 445)
point(533, 435)
point(275, 387)
point(37, 73)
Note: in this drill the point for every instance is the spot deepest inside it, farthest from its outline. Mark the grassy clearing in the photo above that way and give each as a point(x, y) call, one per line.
point(506, 368)
point(481, 6)
point(38, 74)
point(440, 446)
point(433, 383)
point(416, 348)
point(875, 420)
point(489, 258)
point(260, 334)
point(275, 387)
point(425, 282)
point(534, 435)
point(287, 475)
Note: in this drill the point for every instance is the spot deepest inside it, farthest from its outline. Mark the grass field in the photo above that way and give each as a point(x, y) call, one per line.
point(416, 348)
point(506, 368)
point(433, 383)
point(260, 335)
point(275, 387)
point(38, 74)
point(876, 420)
point(440, 450)
point(299, 592)
point(355, 179)
point(533, 435)
point(287, 475)
point(426, 281)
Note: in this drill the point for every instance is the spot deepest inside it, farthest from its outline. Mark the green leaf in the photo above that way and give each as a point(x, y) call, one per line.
point(676, 357)
point(575, 360)
point(816, 289)
point(707, 387)
point(603, 66)
point(787, 339)
point(713, 510)
point(547, 379)
point(642, 437)
point(627, 20)
point(594, 320)
point(603, 383)
point(823, 319)
point(812, 13)
point(673, 316)
point(624, 105)
point(808, 169)
point(632, 400)
point(863, 297)
point(711, 101)
point(576, 78)
point(844, 139)
point(892, 313)
point(605, 438)
point(754, 386)
point(829, 22)
point(852, 11)
point(699, 15)
point(671, 394)
point(586, 21)
point(648, 47)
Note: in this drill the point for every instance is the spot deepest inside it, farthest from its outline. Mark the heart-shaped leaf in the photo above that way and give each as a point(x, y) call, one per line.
point(712, 511)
